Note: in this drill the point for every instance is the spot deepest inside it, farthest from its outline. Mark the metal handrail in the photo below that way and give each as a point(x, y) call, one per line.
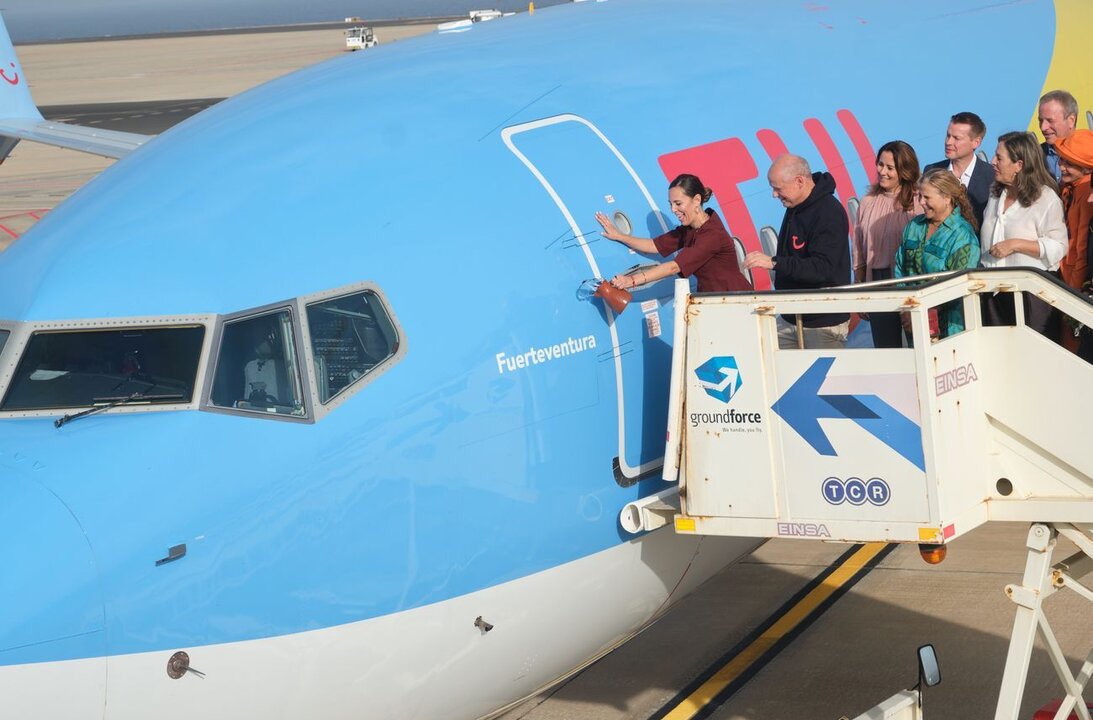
point(926, 280)
point(908, 294)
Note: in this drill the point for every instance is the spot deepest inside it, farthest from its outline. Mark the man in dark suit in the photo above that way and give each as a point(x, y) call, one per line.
point(965, 134)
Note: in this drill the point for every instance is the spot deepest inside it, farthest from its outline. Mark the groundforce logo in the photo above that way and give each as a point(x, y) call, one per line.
point(729, 417)
point(720, 377)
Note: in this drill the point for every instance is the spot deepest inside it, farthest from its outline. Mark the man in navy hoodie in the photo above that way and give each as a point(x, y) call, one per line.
point(813, 249)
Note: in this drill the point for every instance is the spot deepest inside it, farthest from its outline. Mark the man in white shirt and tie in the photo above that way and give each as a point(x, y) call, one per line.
point(964, 136)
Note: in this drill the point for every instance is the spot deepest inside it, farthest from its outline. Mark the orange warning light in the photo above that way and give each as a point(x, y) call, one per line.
point(931, 553)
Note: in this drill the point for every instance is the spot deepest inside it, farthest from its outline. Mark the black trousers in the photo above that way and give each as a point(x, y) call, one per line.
point(999, 309)
point(1085, 345)
point(886, 328)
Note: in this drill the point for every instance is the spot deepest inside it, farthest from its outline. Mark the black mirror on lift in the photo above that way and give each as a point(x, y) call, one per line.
point(929, 672)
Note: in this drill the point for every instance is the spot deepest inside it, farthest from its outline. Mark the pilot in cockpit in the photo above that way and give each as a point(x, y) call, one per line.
point(260, 375)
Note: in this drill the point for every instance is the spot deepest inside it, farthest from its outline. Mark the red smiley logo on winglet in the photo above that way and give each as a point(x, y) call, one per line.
point(10, 81)
point(798, 244)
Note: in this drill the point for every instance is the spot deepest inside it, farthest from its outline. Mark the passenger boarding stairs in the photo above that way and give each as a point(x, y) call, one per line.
point(916, 445)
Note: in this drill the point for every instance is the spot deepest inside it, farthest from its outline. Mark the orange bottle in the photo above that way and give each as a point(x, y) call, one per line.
point(613, 296)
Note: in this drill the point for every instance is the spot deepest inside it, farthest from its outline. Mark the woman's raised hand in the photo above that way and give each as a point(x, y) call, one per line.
point(609, 230)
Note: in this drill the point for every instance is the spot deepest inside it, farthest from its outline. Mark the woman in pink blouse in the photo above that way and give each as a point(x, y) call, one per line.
point(885, 211)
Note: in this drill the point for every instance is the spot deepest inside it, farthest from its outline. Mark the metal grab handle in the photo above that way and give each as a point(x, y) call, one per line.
point(175, 552)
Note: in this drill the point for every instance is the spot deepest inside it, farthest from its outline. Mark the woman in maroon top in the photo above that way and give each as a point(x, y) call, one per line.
point(703, 248)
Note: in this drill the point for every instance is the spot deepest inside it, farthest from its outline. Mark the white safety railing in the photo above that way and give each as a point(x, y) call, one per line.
point(917, 444)
point(904, 705)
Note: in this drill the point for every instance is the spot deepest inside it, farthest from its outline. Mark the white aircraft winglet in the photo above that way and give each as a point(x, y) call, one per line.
point(20, 119)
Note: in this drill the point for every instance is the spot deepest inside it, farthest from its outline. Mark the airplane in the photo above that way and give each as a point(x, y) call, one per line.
point(279, 436)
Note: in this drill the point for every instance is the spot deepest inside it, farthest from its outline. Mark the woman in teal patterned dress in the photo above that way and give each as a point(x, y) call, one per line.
point(943, 238)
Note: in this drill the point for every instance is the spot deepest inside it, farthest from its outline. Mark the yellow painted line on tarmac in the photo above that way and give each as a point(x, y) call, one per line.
point(793, 617)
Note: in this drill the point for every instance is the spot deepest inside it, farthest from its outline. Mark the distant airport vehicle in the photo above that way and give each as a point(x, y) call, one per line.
point(473, 17)
point(253, 465)
point(360, 38)
point(483, 15)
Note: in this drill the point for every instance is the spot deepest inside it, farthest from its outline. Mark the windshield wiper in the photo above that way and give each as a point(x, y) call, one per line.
point(114, 402)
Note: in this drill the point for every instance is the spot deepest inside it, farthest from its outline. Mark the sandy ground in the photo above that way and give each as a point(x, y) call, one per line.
point(179, 67)
point(36, 177)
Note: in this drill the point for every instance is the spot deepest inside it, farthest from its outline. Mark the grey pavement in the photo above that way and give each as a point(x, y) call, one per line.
point(859, 652)
point(144, 118)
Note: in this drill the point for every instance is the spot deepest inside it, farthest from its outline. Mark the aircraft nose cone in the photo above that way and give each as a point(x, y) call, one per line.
point(51, 605)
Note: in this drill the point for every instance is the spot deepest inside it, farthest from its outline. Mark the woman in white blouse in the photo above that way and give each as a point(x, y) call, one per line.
point(1023, 226)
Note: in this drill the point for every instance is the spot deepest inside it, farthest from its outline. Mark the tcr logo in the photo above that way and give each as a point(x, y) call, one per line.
point(856, 491)
point(720, 377)
point(14, 79)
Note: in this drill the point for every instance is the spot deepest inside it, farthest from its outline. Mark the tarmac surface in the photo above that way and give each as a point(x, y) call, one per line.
point(858, 652)
point(120, 84)
point(144, 118)
point(300, 27)
point(853, 651)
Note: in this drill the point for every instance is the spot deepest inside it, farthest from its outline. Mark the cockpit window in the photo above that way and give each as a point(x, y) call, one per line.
point(257, 367)
point(350, 336)
point(3, 338)
point(69, 369)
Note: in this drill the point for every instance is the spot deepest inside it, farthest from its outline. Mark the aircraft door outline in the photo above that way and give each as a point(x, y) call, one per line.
point(630, 472)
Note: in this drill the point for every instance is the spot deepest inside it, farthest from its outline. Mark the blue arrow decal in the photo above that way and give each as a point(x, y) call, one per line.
point(802, 406)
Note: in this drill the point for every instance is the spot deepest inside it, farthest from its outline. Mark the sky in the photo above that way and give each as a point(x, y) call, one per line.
point(37, 20)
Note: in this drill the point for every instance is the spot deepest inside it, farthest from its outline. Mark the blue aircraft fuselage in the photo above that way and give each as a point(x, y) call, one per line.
point(459, 174)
